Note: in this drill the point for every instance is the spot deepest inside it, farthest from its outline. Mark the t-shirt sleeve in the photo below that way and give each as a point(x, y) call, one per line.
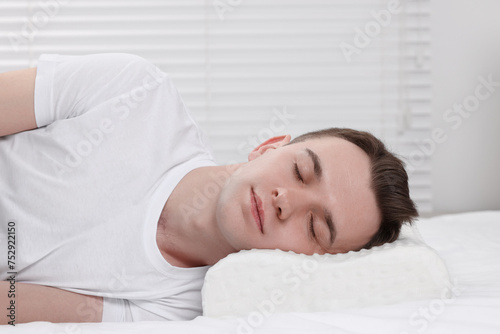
point(69, 86)
point(124, 310)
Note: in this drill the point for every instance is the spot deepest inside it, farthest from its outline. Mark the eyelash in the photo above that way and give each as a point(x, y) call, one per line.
point(311, 227)
point(297, 173)
point(299, 177)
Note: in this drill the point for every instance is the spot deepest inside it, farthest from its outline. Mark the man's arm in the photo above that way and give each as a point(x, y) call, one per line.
point(17, 95)
point(42, 303)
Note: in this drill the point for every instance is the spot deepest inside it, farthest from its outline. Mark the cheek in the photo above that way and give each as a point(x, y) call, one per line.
point(292, 239)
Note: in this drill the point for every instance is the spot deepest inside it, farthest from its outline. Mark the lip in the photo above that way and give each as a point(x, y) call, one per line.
point(257, 210)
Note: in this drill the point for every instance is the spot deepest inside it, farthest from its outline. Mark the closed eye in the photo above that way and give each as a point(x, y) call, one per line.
point(297, 173)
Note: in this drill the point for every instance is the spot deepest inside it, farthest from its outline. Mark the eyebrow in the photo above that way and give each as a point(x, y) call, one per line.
point(318, 172)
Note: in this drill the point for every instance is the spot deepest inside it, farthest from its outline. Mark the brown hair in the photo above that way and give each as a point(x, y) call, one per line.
point(389, 182)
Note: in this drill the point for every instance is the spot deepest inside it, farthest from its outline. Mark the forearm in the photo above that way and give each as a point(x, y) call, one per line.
point(23, 303)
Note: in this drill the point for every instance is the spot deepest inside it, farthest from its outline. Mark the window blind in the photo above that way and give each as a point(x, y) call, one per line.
point(251, 69)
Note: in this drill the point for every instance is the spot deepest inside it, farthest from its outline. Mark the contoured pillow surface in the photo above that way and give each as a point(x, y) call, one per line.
point(270, 281)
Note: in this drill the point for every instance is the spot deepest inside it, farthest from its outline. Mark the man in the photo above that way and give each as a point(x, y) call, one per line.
point(116, 207)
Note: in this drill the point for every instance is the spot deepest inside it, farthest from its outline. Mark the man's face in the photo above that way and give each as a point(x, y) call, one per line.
point(309, 197)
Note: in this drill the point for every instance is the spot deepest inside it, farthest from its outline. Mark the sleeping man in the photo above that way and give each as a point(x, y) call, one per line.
point(112, 207)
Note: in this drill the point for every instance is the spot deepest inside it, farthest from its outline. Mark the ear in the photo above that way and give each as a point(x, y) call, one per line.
point(272, 143)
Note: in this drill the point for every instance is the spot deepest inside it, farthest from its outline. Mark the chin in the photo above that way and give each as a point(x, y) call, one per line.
point(229, 222)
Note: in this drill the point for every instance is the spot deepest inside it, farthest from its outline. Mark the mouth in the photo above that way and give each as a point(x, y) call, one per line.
point(257, 210)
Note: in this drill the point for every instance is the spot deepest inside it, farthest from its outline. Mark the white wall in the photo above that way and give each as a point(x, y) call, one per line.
point(466, 44)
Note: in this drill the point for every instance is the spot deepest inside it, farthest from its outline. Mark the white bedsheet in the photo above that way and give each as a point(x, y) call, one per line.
point(470, 245)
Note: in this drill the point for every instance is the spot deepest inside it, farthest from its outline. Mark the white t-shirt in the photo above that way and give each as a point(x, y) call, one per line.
point(85, 190)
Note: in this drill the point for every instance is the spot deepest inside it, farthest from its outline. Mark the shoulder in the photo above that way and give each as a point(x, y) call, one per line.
point(100, 64)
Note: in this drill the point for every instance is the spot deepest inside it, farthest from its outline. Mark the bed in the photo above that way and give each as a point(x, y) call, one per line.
point(469, 244)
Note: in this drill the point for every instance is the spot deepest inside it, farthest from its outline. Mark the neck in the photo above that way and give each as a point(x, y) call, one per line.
point(188, 234)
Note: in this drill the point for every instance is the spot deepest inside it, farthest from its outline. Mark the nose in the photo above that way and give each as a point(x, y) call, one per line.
point(283, 202)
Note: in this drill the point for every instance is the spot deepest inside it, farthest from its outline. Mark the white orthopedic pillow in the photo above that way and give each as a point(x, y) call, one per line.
point(270, 281)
